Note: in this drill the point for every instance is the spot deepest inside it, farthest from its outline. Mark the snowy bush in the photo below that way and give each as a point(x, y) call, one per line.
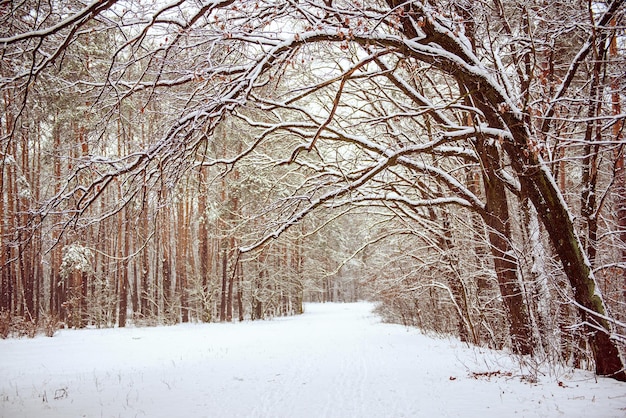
point(76, 258)
point(16, 326)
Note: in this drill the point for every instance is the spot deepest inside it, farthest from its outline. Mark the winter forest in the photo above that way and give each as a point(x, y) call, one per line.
point(460, 162)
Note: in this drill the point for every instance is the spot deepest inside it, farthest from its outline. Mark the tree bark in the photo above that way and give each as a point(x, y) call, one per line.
point(593, 134)
point(240, 307)
point(203, 238)
point(229, 295)
point(122, 271)
point(620, 157)
point(181, 259)
point(143, 286)
point(497, 219)
point(224, 283)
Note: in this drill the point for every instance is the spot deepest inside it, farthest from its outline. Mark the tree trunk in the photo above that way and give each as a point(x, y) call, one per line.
point(593, 135)
point(240, 291)
point(206, 262)
point(539, 293)
point(181, 259)
point(620, 170)
point(122, 271)
point(25, 235)
point(257, 303)
point(5, 295)
point(539, 186)
point(144, 288)
point(297, 268)
point(229, 295)
point(496, 216)
point(224, 284)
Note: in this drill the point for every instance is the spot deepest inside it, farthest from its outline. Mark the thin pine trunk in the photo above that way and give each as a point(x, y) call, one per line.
point(224, 283)
point(620, 157)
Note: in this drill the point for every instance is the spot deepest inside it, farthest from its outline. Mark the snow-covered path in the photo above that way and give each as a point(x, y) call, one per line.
point(336, 360)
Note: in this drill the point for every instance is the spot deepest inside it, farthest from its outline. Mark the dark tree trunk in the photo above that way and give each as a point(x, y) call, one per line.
point(496, 216)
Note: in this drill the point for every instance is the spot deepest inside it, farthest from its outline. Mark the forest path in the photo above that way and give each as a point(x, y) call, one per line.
point(336, 360)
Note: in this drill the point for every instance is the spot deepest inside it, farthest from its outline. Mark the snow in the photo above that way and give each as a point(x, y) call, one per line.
point(336, 360)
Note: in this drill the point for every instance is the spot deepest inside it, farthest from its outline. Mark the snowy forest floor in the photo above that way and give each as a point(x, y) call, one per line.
point(336, 360)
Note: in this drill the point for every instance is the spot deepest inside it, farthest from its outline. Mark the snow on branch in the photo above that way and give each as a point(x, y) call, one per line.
point(76, 19)
point(368, 175)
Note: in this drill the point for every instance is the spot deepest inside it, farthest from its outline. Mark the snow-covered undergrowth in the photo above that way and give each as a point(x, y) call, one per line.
point(336, 360)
